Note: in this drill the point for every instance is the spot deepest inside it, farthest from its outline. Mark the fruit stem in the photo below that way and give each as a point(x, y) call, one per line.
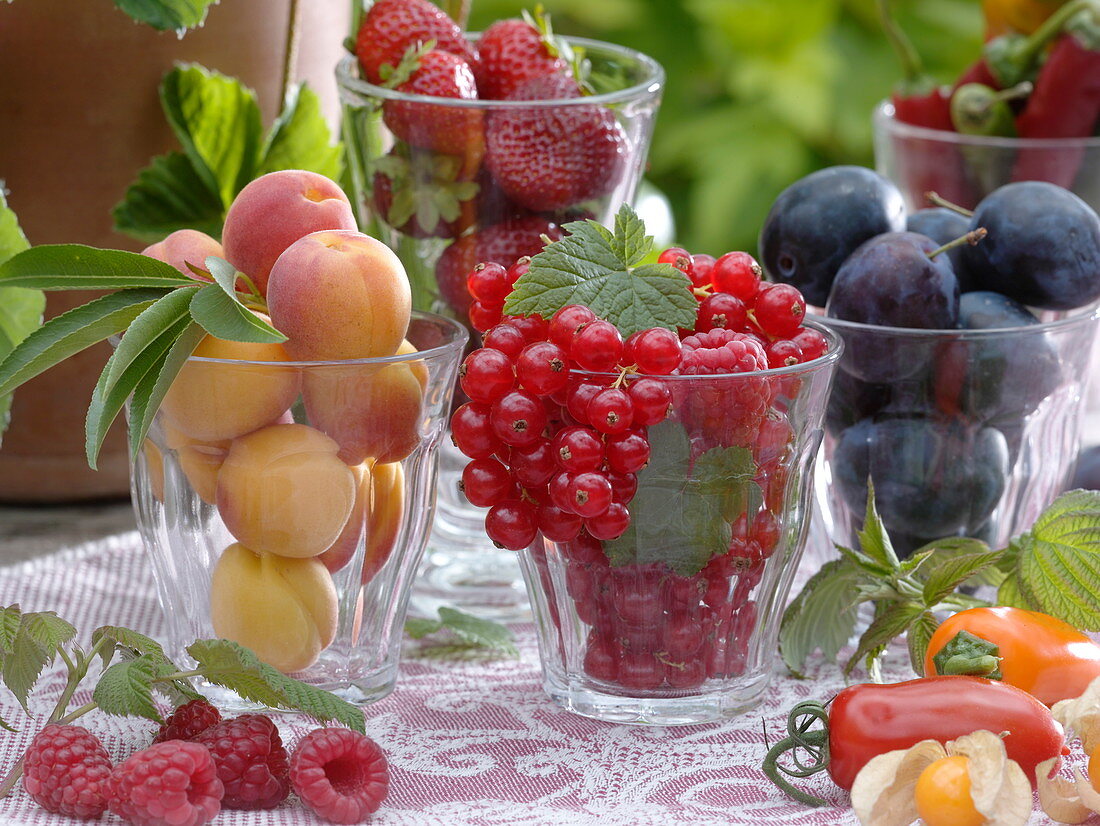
point(912, 68)
point(940, 201)
point(290, 49)
point(80, 712)
point(800, 737)
point(12, 778)
point(971, 238)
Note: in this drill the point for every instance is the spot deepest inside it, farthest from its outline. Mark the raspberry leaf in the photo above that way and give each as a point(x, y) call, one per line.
point(889, 622)
point(873, 539)
point(947, 574)
point(917, 638)
point(126, 688)
point(823, 615)
point(10, 618)
point(48, 630)
point(597, 268)
point(130, 645)
point(313, 702)
point(23, 665)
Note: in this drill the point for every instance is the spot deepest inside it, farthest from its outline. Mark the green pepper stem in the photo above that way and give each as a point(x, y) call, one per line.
point(800, 737)
point(912, 67)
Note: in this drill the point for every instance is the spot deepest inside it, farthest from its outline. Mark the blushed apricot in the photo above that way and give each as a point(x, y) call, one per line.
point(200, 461)
point(371, 412)
point(183, 246)
point(154, 469)
point(387, 515)
point(213, 400)
point(339, 295)
point(419, 368)
point(285, 610)
point(274, 211)
point(342, 550)
point(283, 490)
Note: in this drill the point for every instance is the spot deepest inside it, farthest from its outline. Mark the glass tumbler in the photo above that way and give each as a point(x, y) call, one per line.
point(500, 177)
point(676, 621)
point(265, 526)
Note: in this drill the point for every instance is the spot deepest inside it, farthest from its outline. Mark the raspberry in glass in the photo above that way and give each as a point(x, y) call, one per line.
point(340, 774)
point(65, 771)
point(174, 783)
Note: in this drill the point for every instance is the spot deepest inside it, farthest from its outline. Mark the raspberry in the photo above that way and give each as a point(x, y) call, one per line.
point(728, 412)
point(187, 721)
point(251, 761)
point(65, 771)
point(722, 351)
point(341, 775)
point(174, 783)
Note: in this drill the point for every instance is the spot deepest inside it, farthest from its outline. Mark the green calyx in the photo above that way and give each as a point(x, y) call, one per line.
point(968, 654)
point(977, 109)
point(394, 76)
point(802, 740)
point(1084, 27)
point(914, 79)
point(1015, 57)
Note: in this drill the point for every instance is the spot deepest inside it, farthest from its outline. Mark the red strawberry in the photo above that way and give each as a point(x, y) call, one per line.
point(551, 157)
point(449, 129)
point(515, 51)
point(503, 243)
point(392, 26)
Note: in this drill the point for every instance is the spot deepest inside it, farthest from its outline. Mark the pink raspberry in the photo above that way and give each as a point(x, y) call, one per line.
point(174, 783)
point(188, 721)
point(340, 774)
point(722, 351)
point(65, 771)
point(251, 761)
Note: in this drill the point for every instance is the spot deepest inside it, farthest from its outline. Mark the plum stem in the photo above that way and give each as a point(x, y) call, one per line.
point(940, 201)
point(971, 238)
point(290, 49)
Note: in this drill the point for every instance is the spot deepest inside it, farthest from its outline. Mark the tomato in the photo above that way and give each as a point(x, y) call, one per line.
point(943, 795)
point(1047, 658)
point(871, 719)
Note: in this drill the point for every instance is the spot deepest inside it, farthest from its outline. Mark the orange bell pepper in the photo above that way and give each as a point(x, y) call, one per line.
point(1038, 653)
point(1024, 16)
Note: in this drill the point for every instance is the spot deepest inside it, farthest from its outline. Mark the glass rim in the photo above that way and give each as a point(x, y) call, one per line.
point(347, 77)
point(460, 335)
point(883, 117)
point(830, 356)
point(1077, 317)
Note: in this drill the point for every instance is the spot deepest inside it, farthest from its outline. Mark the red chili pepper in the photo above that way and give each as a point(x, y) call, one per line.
point(867, 720)
point(1064, 104)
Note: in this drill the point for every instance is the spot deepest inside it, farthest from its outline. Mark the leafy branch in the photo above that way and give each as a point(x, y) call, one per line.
point(135, 666)
point(1053, 568)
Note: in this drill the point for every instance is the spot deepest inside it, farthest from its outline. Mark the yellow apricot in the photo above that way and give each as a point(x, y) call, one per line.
point(419, 368)
point(283, 490)
point(154, 469)
point(216, 400)
point(200, 461)
point(387, 514)
point(342, 550)
point(285, 610)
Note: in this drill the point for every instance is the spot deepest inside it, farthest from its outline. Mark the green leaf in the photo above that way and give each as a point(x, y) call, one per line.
point(231, 665)
point(147, 329)
point(873, 539)
point(1062, 580)
point(950, 572)
point(478, 631)
point(590, 266)
point(919, 635)
point(48, 630)
point(10, 618)
point(168, 195)
point(420, 627)
point(77, 267)
point(20, 309)
point(71, 332)
point(130, 644)
point(218, 123)
point(823, 615)
point(727, 474)
point(1009, 593)
point(126, 688)
point(150, 391)
point(677, 516)
point(300, 138)
point(861, 560)
point(23, 665)
point(892, 621)
point(225, 317)
point(167, 14)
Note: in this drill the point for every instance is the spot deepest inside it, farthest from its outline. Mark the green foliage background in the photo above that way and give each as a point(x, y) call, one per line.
point(759, 92)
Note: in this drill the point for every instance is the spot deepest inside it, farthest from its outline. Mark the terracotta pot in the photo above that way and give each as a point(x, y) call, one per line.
point(79, 117)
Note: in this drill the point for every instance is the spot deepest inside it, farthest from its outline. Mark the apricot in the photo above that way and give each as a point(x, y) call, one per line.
point(183, 246)
point(274, 211)
point(387, 515)
point(283, 490)
point(343, 549)
point(154, 469)
point(200, 461)
point(213, 401)
point(285, 610)
point(373, 412)
point(419, 368)
point(339, 295)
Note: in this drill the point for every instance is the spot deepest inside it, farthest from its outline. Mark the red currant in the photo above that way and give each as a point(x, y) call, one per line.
point(652, 400)
point(701, 266)
point(486, 481)
point(483, 317)
point(533, 327)
point(611, 410)
point(812, 343)
point(738, 274)
point(533, 465)
point(486, 375)
point(558, 525)
point(542, 368)
point(783, 353)
point(578, 398)
point(512, 524)
point(678, 257)
point(683, 636)
point(611, 524)
point(567, 322)
point(558, 490)
point(640, 671)
point(721, 310)
point(656, 351)
point(473, 432)
point(589, 494)
point(518, 270)
point(627, 452)
point(518, 418)
point(601, 660)
point(623, 486)
point(505, 337)
point(597, 347)
point(488, 283)
point(779, 309)
point(578, 449)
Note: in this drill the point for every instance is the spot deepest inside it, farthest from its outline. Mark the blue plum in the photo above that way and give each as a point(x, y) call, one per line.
point(943, 225)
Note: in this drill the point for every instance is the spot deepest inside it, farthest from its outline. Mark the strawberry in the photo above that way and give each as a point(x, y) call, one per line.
point(503, 243)
point(515, 51)
point(422, 194)
point(392, 26)
point(436, 73)
point(550, 157)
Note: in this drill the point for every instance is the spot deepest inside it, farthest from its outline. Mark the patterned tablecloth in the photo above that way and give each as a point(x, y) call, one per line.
point(471, 740)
